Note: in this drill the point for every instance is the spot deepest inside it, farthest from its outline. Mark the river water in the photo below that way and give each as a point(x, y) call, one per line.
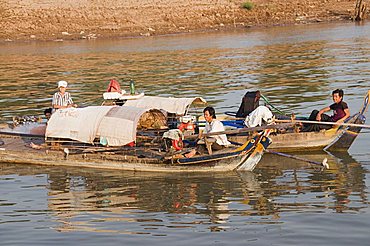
point(283, 202)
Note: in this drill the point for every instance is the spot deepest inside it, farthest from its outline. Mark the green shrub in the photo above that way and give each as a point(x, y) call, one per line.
point(247, 5)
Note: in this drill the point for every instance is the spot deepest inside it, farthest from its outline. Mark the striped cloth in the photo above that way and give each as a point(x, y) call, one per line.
point(62, 100)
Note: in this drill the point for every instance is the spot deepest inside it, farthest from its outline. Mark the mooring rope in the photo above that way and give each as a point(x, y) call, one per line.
point(276, 109)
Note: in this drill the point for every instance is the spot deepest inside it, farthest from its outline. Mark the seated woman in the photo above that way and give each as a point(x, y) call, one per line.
point(214, 142)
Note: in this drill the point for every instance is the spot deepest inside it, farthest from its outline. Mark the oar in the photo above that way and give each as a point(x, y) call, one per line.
point(323, 123)
point(242, 130)
point(324, 162)
point(19, 134)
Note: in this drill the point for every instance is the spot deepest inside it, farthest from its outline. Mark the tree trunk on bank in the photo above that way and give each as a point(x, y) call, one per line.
point(360, 10)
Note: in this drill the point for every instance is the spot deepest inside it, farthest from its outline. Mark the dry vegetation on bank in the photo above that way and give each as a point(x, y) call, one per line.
point(77, 19)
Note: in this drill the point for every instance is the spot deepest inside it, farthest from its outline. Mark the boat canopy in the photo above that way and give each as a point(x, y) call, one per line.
point(177, 106)
point(113, 125)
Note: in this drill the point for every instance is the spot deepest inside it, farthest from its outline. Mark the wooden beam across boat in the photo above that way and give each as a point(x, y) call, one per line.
point(323, 123)
point(243, 130)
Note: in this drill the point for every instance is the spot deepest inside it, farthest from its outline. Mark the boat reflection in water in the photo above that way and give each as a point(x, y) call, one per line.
point(147, 203)
point(335, 188)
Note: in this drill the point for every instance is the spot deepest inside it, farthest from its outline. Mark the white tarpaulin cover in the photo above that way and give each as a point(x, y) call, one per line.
point(79, 124)
point(169, 104)
point(119, 126)
point(116, 125)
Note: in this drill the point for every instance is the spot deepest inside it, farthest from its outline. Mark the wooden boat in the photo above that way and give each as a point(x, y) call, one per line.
point(74, 138)
point(334, 139)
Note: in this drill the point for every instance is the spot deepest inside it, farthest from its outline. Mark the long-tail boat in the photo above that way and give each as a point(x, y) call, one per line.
point(338, 138)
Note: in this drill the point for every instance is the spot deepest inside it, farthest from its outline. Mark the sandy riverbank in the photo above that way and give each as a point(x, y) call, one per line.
point(89, 19)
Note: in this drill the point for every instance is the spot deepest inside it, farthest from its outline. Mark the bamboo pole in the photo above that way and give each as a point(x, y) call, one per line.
point(323, 123)
point(19, 134)
point(324, 162)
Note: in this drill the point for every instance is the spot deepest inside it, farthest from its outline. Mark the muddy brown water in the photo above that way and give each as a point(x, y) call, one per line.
point(283, 202)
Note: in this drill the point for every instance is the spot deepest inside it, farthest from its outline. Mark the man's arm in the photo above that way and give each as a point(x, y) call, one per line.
point(68, 106)
point(347, 114)
point(58, 106)
point(318, 116)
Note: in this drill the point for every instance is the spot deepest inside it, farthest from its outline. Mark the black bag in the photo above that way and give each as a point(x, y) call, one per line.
point(249, 103)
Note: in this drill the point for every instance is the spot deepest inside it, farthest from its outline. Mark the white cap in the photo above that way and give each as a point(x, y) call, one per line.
point(62, 83)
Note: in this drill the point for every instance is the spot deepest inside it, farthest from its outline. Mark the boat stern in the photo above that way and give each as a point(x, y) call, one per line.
point(250, 161)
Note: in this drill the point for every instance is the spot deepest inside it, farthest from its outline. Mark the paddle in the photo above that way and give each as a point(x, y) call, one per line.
point(324, 162)
point(243, 130)
point(323, 123)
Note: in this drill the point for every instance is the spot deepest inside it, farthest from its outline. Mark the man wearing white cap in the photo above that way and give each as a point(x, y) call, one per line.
point(62, 99)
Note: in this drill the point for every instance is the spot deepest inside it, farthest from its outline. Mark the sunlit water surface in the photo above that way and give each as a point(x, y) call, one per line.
point(283, 202)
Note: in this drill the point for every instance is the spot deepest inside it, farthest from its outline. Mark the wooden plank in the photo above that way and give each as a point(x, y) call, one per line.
point(243, 130)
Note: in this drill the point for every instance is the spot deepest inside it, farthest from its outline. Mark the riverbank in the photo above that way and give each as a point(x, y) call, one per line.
point(84, 19)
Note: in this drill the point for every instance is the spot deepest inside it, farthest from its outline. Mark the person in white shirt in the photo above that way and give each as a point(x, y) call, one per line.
point(214, 125)
point(61, 98)
point(214, 142)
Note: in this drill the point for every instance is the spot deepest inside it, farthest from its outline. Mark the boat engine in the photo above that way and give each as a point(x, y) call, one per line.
point(187, 125)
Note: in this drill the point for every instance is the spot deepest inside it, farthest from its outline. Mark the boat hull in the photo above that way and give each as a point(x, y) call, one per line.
point(297, 141)
point(335, 139)
point(15, 151)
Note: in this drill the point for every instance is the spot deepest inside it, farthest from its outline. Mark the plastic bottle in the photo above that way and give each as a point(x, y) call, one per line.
point(132, 87)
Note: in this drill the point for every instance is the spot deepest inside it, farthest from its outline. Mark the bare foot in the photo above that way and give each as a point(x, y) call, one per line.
point(191, 153)
point(35, 146)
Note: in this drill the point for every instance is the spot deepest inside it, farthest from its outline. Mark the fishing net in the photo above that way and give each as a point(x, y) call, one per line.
point(153, 119)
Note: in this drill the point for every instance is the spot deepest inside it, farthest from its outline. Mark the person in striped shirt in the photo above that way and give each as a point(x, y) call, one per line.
point(62, 99)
